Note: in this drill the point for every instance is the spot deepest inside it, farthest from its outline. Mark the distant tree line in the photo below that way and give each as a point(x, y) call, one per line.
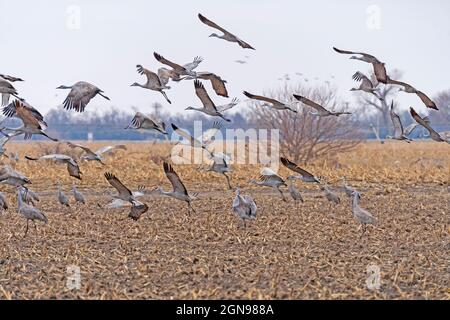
point(110, 125)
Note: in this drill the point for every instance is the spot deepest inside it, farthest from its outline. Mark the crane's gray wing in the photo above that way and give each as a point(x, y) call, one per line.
point(174, 179)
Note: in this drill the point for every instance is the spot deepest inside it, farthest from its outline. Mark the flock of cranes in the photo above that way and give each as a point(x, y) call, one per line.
point(81, 93)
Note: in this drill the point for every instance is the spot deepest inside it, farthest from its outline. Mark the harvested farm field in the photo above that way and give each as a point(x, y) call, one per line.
point(292, 250)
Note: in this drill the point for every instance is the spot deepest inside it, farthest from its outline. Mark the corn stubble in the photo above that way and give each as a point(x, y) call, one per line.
point(291, 251)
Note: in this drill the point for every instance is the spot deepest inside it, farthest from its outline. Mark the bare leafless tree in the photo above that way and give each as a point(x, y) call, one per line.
point(441, 117)
point(303, 136)
point(386, 93)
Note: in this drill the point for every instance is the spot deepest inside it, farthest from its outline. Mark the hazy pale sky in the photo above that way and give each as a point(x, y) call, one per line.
point(42, 44)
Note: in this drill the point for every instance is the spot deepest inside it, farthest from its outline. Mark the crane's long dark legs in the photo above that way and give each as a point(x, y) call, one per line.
point(228, 181)
point(363, 230)
point(26, 230)
point(282, 195)
point(190, 207)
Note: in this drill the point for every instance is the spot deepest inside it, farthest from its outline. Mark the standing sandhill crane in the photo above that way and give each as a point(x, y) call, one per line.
point(378, 67)
point(220, 165)
point(97, 155)
point(270, 178)
point(305, 176)
point(80, 95)
point(410, 89)
point(179, 191)
point(125, 194)
point(363, 216)
point(244, 207)
point(272, 103)
point(366, 84)
point(424, 123)
point(153, 83)
point(72, 165)
point(202, 141)
point(320, 111)
point(7, 90)
point(226, 35)
point(217, 83)
point(62, 198)
point(3, 202)
point(330, 195)
point(209, 107)
point(28, 211)
point(295, 194)
point(33, 121)
point(399, 132)
point(30, 197)
point(79, 197)
point(347, 189)
point(142, 122)
point(13, 178)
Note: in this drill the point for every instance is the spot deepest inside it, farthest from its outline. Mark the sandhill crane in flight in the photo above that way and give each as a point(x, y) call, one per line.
point(305, 176)
point(13, 178)
point(90, 155)
point(3, 202)
point(142, 122)
point(295, 194)
point(118, 203)
point(179, 70)
point(80, 95)
point(217, 83)
point(226, 35)
point(220, 165)
point(6, 77)
point(320, 111)
point(363, 216)
point(330, 195)
point(125, 194)
point(366, 84)
point(426, 124)
point(202, 141)
point(410, 89)
point(244, 207)
point(240, 61)
point(28, 211)
point(78, 196)
point(72, 165)
point(175, 74)
point(7, 90)
point(272, 103)
point(153, 83)
point(399, 132)
point(209, 107)
point(62, 198)
point(179, 191)
point(33, 121)
point(378, 66)
point(270, 178)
